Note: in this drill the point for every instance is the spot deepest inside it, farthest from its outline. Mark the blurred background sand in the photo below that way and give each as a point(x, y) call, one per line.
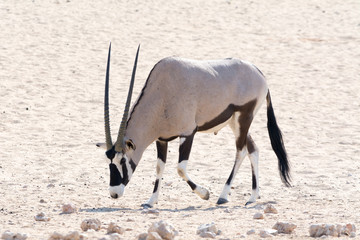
point(52, 69)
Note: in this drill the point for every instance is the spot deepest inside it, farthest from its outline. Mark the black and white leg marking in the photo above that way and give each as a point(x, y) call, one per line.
point(253, 154)
point(240, 124)
point(184, 153)
point(161, 147)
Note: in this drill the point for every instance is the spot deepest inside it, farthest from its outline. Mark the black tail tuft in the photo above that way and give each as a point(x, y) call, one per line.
point(277, 143)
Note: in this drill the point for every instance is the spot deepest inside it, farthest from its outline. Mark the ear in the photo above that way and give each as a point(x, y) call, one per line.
point(101, 145)
point(130, 144)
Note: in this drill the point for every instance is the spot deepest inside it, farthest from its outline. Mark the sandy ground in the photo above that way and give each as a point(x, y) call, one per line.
point(52, 68)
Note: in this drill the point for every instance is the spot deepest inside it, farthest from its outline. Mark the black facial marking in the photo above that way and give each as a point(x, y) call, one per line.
point(115, 177)
point(110, 154)
point(156, 185)
point(133, 165)
point(125, 179)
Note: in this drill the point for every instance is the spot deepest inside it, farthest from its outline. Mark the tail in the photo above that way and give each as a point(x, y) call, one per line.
point(277, 143)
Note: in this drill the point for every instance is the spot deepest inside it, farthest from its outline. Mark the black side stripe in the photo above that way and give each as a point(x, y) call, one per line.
point(133, 165)
point(125, 179)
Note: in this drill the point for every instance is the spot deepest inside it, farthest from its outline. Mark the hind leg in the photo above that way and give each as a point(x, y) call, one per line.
point(253, 153)
point(240, 155)
point(240, 124)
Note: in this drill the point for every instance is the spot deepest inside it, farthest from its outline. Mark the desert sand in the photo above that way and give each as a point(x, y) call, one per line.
point(52, 71)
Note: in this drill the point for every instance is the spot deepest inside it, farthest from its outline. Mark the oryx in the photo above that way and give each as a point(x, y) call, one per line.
point(180, 98)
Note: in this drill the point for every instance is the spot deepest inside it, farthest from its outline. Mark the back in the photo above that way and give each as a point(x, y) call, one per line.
point(201, 90)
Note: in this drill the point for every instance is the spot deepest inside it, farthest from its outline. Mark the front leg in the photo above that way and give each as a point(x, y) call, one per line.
point(184, 153)
point(161, 147)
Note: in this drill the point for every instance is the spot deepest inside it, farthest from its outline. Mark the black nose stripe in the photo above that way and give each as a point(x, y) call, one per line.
point(115, 177)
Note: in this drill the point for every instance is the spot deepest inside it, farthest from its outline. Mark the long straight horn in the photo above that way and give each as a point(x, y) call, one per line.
point(106, 105)
point(120, 140)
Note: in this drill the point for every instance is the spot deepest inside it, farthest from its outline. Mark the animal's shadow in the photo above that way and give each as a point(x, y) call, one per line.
point(187, 209)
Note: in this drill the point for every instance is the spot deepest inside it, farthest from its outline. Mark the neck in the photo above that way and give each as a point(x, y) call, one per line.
point(142, 135)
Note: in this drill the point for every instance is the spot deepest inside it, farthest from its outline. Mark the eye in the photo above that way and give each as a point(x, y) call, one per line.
point(122, 161)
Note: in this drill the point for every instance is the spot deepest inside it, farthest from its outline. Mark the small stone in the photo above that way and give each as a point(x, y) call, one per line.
point(207, 235)
point(318, 230)
point(265, 234)
point(272, 231)
point(207, 229)
point(352, 234)
point(227, 210)
point(41, 217)
point(270, 209)
point(142, 236)
point(113, 228)
point(69, 208)
point(56, 236)
point(7, 235)
point(153, 236)
point(348, 229)
point(51, 185)
point(114, 236)
point(164, 229)
point(250, 232)
point(75, 235)
point(167, 184)
point(258, 216)
point(94, 224)
point(42, 201)
point(284, 227)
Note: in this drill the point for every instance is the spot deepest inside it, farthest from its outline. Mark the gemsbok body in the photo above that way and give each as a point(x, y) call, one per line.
point(180, 98)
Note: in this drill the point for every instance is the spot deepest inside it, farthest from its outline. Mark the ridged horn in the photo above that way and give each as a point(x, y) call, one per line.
point(106, 105)
point(120, 140)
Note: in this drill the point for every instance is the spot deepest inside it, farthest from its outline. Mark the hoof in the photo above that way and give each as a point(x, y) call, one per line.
point(222, 201)
point(206, 196)
point(146, 206)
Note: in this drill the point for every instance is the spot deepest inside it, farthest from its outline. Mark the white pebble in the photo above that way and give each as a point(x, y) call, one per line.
point(208, 230)
point(7, 235)
point(265, 234)
point(207, 235)
point(270, 209)
point(41, 217)
point(258, 216)
point(88, 224)
point(153, 236)
point(113, 228)
point(284, 227)
point(69, 208)
point(75, 235)
point(142, 236)
point(164, 229)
